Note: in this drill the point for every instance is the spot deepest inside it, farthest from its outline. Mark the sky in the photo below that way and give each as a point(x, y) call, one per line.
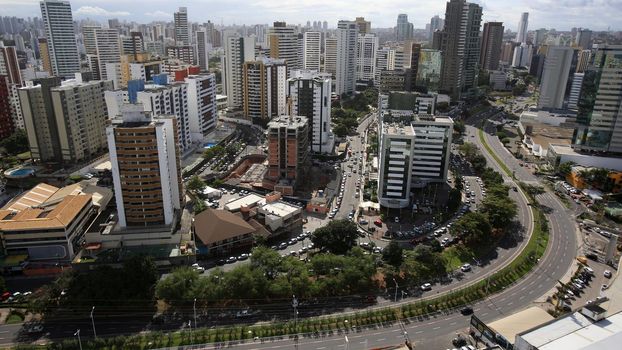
point(558, 14)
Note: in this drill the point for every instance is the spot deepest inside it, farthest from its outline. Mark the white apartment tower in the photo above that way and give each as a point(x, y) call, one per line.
point(312, 50)
point(309, 95)
point(108, 46)
point(202, 115)
point(367, 49)
point(284, 44)
point(62, 46)
point(555, 77)
point(182, 35)
point(521, 36)
point(345, 76)
point(237, 51)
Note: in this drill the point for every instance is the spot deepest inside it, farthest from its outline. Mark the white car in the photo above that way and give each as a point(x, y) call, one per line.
point(607, 274)
point(426, 286)
point(465, 268)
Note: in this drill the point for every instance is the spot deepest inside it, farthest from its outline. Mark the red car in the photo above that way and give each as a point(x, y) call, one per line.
point(378, 223)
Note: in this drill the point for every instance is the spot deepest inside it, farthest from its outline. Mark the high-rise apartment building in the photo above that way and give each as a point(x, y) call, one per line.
point(490, 52)
point(89, 40)
point(134, 44)
point(540, 37)
point(367, 48)
point(288, 149)
point(583, 60)
point(555, 77)
point(264, 88)
point(202, 115)
point(312, 50)
point(146, 170)
point(309, 95)
point(62, 46)
point(238, 50)
point(521, 36)
point(284, 44)
point(599, 115)
point(459, 41)
point(108, 46)
point(575, 91)
point(6, 112)
point(182, 34)
point(45, 55)
point(522, 55)
point(345, 76)
point(9, 66)
point(182, 53)
point(436, 23)
point(330, 56)
point(65, 122)
point(203, 48)
point(429, 69)
point(363, 25)
point(403, 29)
point(11, 79)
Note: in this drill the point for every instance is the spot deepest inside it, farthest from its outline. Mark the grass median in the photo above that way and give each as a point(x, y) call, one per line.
point(492, 154)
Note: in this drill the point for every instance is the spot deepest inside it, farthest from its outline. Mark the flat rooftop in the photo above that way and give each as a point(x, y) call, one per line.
point(397, 129)
point(279, 208)
point(247, 201)
point(520, 322)
point(576, 331)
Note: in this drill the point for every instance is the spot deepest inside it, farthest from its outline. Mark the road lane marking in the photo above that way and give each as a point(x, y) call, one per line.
point(437, 327)
point(381, 339)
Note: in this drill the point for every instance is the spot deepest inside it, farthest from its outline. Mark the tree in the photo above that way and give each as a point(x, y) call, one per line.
point(422, 264)
point(459, 182)
point(564, 169)
point(500, 211)
point(459, 127)
point(454, 200)
point(337, 237)
point(340, 130)
point(519, 89)
point(195, 184)
point(175, 288)
point(474, 229)
point(16, 143)
point(469, 150)
point(442, 107)
point(392, 254)
point(199, 206)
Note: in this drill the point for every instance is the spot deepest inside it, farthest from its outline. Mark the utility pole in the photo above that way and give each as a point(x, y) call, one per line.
point(93, 322)
point(77, 333)
point(194, 309)
point(396, 287)
point(190, 326)
point(295, 306)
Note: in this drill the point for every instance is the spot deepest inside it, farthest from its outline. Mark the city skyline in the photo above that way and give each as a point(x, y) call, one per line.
point(561, 15)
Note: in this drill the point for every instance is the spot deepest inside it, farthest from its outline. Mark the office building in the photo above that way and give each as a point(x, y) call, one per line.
point(459, 41)
point(345, 76)
point(363, 25)
point(155, 48)
point(45, 55)
point(237, 51)
point(540, 37)
point(65, 122)
point(288, 149)
point(284, 44)
point(312, 50)
point(429, 69)
point(598, 111)
point(367, 48)
point(521, 35)
point(392, 80)
point(330, 56)
point(490, 52)
point(108, 48)
point(522, 56)
point(555, 77)
point(414, 151)
point(264, 88)
point(146, 169)
point(89, 40)
point(62, 46)
point(182, 53)
point(182, 34)
point(202, 115)
point(397, 142)
point(133, 45)
point(584, 39)
point(203, 48)
point(412, 55)
point(436, 23)
point(403, 29)
point(309, 94)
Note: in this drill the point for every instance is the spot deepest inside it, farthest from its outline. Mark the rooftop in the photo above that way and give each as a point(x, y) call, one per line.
point(58, 217)
point(32, 198)
point(288, 121)
point(247, 201)
point(213, 225)
point(521, 321)
point(577, 331)
point(279, 208)
point(397, 129)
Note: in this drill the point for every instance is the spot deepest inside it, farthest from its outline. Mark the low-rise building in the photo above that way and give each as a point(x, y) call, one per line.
point(612, 184)
point(558, 154)
point(218, 232)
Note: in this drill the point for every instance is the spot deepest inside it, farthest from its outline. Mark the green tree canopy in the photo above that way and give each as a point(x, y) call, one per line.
point(564, 169)
point(195, 184)
point(337, 237)
point(16, 143)
point(474, 229)
point(392, 254)
point(499, 210)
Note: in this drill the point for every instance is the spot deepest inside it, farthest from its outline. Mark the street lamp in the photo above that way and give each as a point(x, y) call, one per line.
point(93, 322)
point(396, 287)
point(194, 309)
point(77, 333)
point(295, 306)
point(190, 326)
point(347, 342)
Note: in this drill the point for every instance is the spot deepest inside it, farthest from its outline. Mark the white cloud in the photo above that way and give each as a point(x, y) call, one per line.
point(98, 11)
point(158, 14)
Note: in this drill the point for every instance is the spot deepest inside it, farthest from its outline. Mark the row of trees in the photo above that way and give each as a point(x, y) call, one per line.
point(271, 277)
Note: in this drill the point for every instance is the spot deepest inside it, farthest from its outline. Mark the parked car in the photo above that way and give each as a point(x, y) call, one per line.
point(465, 267)
point(607, 274)
point(426, 286)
